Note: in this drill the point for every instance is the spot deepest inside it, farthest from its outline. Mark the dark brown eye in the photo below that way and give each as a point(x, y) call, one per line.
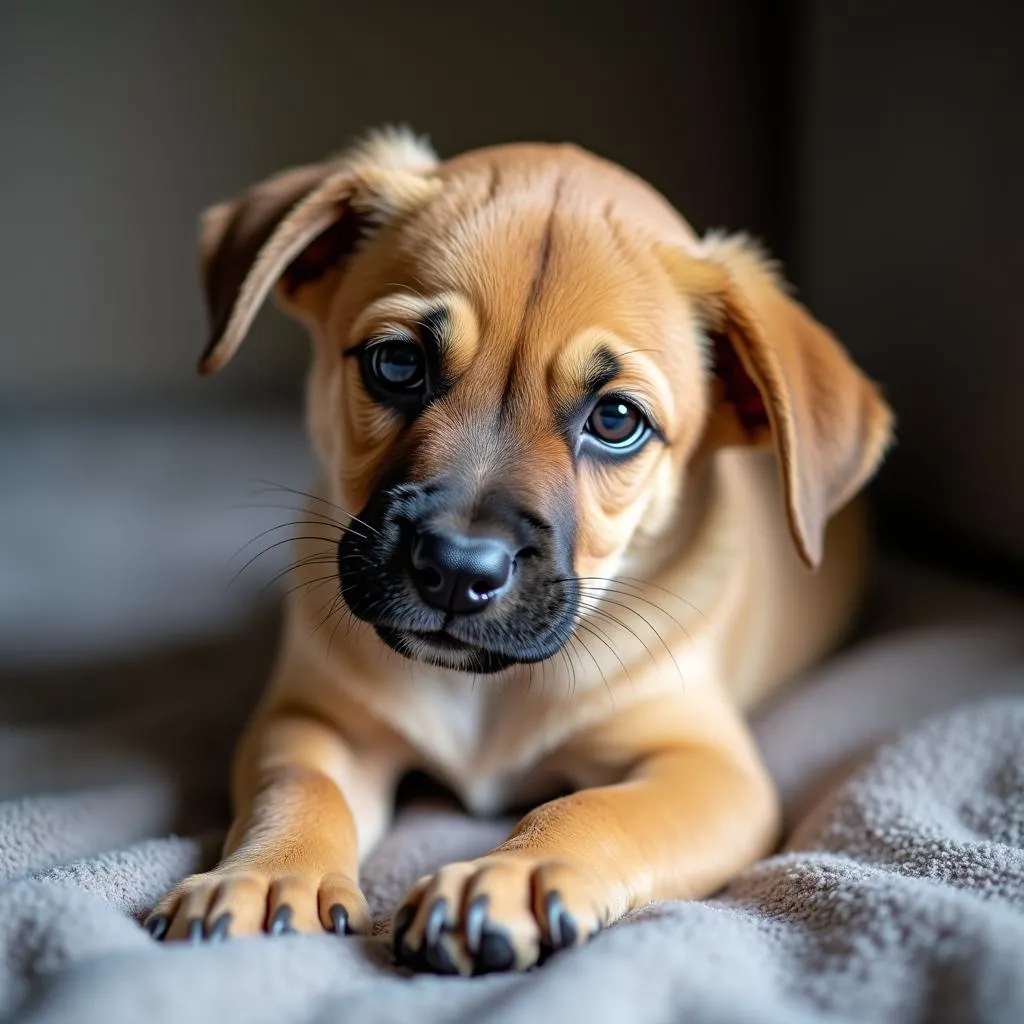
point(617, 424)
point(398, 366)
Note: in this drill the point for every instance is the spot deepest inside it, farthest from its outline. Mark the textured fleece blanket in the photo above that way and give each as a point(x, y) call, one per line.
point(899, 898)
point(899, 895)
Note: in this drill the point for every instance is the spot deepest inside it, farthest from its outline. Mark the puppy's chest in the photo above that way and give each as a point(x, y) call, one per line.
point(489, 742)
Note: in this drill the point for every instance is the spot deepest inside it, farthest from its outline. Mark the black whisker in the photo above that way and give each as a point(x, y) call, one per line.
point(310, 585)
point(604, 613)
point(270, 485)
point(302, 563)
point(343, 614)
point(274, 529)
point(324, 521)
point(333, 602)
point(568, 664)
point(596, 631)
point(597, 664)
point(640, 584)
point(627, 593)
point(597, 591)
point(302, 509)
point(276, 544)
point(647, 622)
point(324, 557)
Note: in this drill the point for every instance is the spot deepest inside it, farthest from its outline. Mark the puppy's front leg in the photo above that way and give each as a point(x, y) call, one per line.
point(691, 811)
point(304, 805)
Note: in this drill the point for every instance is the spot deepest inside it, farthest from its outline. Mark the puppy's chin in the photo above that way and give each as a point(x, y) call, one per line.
point(444, 651)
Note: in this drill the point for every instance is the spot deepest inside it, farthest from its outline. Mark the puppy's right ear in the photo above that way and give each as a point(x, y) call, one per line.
point(289, 230)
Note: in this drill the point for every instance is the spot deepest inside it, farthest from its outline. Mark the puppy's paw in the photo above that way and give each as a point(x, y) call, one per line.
point(234, 901)
point(498, 913)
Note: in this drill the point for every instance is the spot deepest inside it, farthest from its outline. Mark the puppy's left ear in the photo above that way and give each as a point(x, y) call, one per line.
point(286, 232)
point(781, 378)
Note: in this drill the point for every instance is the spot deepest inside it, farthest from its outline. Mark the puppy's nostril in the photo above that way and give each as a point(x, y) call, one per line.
point(481, 589)
point(488, 586)
point(431, 578)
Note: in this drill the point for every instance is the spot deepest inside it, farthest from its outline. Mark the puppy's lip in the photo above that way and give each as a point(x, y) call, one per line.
point(441, 638)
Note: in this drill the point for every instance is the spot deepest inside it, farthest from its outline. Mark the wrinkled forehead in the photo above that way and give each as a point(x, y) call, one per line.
point(540, 287)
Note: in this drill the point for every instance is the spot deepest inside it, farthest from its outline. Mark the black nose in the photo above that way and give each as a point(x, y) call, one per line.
point(460, 573)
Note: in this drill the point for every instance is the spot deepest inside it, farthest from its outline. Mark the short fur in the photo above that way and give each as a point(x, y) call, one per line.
point(658, 597)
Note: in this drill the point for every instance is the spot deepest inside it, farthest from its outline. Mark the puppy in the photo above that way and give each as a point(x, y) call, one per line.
point(598, 475)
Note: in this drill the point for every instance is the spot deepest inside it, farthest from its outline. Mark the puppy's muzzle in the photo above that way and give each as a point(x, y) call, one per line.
point(474, 581)
point(461, 573)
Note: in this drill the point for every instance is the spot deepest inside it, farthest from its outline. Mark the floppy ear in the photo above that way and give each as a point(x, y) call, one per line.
point(781, 378)
point(289, 230)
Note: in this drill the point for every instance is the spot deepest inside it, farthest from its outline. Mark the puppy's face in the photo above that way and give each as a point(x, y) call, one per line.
point(505, 382)
point(513, 370)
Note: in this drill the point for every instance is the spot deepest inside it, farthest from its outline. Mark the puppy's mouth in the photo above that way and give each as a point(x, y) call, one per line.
point(475, 591)
point(438, 647)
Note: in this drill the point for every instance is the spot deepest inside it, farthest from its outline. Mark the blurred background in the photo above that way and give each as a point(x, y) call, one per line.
point(875, 147)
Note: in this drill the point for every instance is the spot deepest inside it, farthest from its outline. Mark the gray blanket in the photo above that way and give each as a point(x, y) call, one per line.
point(899, 895)
point(899, 898)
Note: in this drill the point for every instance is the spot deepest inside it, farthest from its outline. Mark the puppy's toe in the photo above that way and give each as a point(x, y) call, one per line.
point(499, 913)
point(342, 906)
point(424, 931)
point(501, 932)
point(210, 906)
point(239, 906)
point(181, 915)
point(230, 903)
point(567, 905)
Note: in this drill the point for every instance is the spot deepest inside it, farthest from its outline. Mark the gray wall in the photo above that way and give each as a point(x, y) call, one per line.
point(910, 242)
point(121, 120)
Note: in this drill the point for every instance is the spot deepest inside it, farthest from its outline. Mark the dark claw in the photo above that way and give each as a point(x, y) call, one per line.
point(157, 926)
point(219, 929)
point(476, 920)
point(281, 922)
point(490, 947)
point(495, 953)
point(561, 924)
point(435, 952)
point(399, 926)
point(437, 919)
point(339, 920)
point(438, 959)
point(195, 930)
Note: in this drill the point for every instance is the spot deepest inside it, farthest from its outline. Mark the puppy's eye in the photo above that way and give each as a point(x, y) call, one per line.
point(618, 424)
point(396, 367)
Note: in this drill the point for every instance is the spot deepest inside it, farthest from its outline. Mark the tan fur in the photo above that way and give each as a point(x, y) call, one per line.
point(541, 255)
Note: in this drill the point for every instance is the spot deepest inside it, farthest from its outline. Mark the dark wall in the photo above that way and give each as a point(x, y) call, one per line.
point(910, 243)
point(121, 120)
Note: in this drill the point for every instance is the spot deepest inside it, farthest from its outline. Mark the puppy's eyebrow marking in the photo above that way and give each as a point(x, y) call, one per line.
point(435, 327)
point(598, 371)
point(436, 337)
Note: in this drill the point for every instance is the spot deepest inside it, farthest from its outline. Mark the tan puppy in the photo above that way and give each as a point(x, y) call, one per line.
point(593, 458)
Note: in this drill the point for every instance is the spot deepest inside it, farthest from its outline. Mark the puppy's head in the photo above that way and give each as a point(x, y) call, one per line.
point(518, 357)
